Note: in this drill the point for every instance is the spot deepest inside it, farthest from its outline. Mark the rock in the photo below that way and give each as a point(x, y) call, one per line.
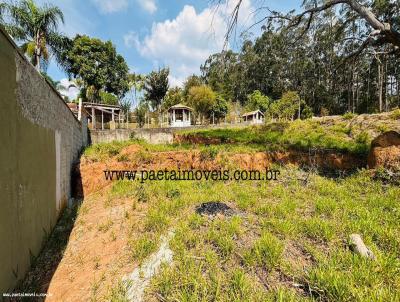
point(385, 151)
point(214, 208)
point(357, 245)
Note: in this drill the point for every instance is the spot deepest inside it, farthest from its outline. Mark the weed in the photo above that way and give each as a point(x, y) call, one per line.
point(349, 115)
point(119, 292)
point(141, 194)
point(174, 193)
point(266, 252)
point(208, 153)
point(395, 115)
point(142, 247)
point(105, 226)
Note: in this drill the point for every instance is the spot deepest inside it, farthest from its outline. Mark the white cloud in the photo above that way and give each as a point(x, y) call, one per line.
point(185, 42)
point(110, 6)
point(131, 39)
point(69, 91)
point(148, 5)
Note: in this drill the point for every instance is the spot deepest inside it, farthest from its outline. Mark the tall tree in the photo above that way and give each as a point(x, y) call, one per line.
point(156, 86)
point(173, 97)
point(202, 99)
point(382, 28)
point(192, 81)
point(98, 66)
point(136, 84)
point(37, 28)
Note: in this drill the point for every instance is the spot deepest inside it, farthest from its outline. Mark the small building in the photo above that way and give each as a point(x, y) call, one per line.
point(180, 116)
point(253, 117)
point(103, 116)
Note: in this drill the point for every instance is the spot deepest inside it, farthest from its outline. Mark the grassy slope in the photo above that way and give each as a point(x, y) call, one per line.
point(288, 243)
point(349, 134)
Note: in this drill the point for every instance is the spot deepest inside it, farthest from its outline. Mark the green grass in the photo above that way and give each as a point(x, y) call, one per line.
point(395, 115)
point(284, 230)
point(282, 135)
point(103, 151)
point(289, 238)
point(266, 252)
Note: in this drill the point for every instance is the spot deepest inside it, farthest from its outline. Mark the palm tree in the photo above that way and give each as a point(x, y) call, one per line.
point(37, 28)
point(2, 9)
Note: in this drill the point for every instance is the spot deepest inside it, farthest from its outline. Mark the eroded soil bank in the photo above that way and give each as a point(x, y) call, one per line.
point(136, 157)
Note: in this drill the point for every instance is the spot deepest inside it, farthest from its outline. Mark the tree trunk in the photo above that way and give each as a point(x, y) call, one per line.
point(380, 85)
point(37, 53)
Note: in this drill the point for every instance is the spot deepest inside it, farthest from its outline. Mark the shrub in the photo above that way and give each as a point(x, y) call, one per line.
point(395, 115)
point(349, 115)
point(324, 111)
point(210, 153)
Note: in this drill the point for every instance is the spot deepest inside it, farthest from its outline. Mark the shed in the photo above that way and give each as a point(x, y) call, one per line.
point(253, 117)
point(106, 114)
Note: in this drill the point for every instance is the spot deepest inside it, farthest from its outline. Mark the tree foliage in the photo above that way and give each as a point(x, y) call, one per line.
point(220, 108)
point(156, 86)
point(287, 106)
point(323, 58)
point(191, 81)
point(257, 101)
point(140, 113)
point(98, 65)
point(173, 97)
point(202, 99)
point(36, 27)
point(108, 98)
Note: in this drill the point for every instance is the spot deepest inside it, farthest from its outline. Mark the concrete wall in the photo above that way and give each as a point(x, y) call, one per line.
point(151, 135)
point(154, 136)
point(40, 139)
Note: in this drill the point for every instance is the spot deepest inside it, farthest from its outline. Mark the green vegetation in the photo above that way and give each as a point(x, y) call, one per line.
point(257, 101)
point(298, 134)
point(156, 87)
point(290, 242)
point(37, 28)
point(98, 66)
point(202, 98)
point(100, 152)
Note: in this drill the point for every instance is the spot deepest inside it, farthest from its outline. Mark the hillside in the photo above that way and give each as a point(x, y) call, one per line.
point(349, 133)
point(285, 239)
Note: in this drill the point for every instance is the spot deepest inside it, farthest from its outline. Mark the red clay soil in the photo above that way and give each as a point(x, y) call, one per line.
point(137, 159)
point(385, 151)
point(96, 255)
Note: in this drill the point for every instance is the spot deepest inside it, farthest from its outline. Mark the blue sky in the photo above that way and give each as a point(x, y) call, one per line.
point(149, 34)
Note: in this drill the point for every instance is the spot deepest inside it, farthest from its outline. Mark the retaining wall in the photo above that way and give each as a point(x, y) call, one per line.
point(40, 139)
point(151, 135)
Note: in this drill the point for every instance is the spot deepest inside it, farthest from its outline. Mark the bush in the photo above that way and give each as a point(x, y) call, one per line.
point(307, 112)
point(349, 115)
point(324, 111)
point(395, 114)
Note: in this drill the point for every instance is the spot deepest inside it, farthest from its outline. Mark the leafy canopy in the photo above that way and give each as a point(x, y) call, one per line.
point(174, 96)
point(156, 86)
point(98, 65)
point(36, 27)
point(220, 107)
point(202, 99)
point(257, 101)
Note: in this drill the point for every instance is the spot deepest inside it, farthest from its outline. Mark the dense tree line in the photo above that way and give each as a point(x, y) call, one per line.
point(329, 58)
